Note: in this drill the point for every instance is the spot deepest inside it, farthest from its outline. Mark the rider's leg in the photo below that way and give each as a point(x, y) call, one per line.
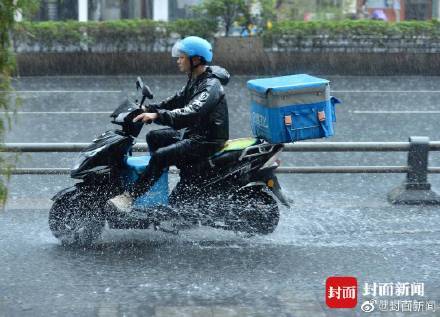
point(162, 137)
point(185, 151)
point(155, 140)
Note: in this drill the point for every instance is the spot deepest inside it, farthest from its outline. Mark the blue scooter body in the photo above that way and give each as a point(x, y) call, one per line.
point(158, 194)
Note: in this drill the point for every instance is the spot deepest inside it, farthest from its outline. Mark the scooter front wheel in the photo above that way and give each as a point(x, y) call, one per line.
point(74, 220)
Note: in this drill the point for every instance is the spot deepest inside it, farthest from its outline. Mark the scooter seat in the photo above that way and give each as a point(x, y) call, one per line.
point(236, 145)
point(138, 163)
point(231, 151)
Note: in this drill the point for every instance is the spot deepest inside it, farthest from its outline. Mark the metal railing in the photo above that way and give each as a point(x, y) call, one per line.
point(298, 147)
point(418, 149)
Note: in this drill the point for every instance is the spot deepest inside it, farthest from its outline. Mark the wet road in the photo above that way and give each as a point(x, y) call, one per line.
point(338, 225)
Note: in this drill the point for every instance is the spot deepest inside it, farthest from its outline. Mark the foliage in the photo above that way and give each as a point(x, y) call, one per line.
point(205, 28)
point(349, 35)
point(47, 34)
point(350, 29)
point(106, 36)
point(268, 11)
point(294, 9)
point(8, 9)
point(226, 11)
point(151, 36)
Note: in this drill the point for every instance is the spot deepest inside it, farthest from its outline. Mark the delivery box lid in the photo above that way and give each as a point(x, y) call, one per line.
point(285, 83)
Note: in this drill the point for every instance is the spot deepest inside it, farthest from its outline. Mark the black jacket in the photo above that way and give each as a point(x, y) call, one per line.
point(200, 106)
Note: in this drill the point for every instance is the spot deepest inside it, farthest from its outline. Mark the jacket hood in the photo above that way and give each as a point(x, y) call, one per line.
point(220, 73)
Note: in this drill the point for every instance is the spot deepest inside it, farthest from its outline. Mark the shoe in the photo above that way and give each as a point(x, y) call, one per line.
point(122, 203)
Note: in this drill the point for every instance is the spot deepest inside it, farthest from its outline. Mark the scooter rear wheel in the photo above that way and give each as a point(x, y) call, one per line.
point(74, 221)
point(255, 211)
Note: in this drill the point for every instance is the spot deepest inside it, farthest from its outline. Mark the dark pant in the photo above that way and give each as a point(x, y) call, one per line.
point(167, 147)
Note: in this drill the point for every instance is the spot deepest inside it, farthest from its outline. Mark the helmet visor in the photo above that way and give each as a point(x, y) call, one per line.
point(177, 49)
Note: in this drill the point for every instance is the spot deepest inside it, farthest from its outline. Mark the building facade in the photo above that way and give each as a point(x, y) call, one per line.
point(166, 10)
point(100, 10)
point(398, 10)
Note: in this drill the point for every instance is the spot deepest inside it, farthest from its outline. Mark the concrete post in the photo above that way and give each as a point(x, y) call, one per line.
point(436, 9)
point(416, 190)
point(83, 10)
point(349, 7)
point(160, 10)
point(18, 14)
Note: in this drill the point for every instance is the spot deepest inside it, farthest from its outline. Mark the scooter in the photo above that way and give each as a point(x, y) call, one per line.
point(235, 189)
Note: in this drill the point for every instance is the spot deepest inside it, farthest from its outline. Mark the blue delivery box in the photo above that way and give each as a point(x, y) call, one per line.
point(291, 108)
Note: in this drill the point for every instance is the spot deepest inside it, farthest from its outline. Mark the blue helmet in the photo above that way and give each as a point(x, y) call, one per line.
point(193, 46)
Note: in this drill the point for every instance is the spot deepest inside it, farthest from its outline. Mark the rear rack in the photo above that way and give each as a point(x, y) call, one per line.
point(257, 150)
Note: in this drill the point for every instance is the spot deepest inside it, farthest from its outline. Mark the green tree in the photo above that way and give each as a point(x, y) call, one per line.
point(268, 10)
point(8, 10)
point(227, 11)
point(294, 9)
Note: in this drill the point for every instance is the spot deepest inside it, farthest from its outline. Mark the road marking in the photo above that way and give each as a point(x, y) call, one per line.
point(60, 112)
point(386, 91)
point(66, 91)
point(396, 111)
point(28, 204)
point(334, 91)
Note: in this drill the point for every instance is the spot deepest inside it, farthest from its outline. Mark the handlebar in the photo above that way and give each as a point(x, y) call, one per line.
point(142, 101)
point(146, 91)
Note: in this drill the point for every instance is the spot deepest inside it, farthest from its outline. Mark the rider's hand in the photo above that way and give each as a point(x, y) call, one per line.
point(147, 117)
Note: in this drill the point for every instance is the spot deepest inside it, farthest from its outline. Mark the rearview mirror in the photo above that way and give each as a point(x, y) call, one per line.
point(146, 91)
